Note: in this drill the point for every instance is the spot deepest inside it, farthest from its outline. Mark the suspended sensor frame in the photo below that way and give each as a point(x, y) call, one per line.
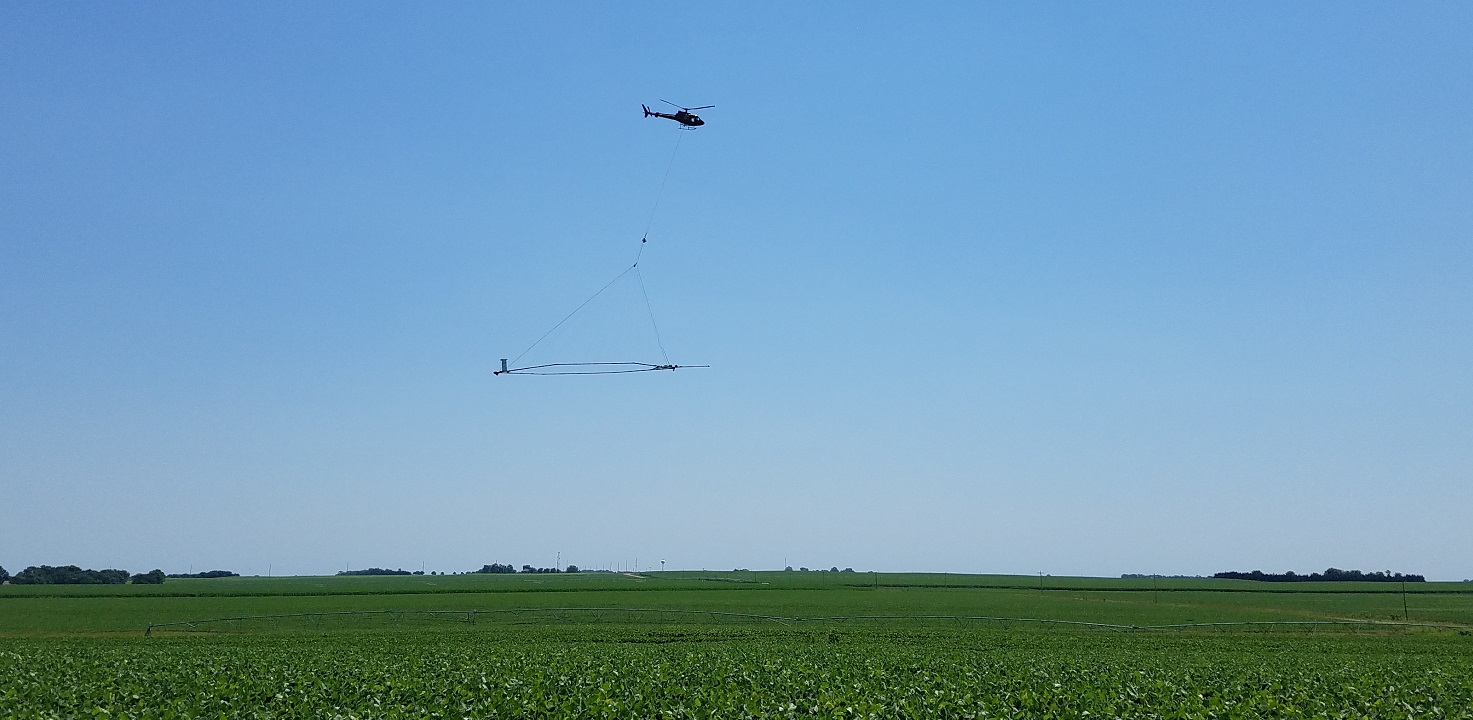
point(608, 368)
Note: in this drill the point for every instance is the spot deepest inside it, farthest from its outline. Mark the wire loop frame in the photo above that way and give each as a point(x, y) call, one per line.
point(610, 368)
point(604, 368)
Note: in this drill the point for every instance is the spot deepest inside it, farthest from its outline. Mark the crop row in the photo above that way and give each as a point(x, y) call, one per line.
point(459, 675)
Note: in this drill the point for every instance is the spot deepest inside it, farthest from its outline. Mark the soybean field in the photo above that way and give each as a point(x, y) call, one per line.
point(718, 645)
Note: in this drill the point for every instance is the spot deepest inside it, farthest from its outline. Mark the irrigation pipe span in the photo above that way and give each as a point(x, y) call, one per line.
point(470, 615)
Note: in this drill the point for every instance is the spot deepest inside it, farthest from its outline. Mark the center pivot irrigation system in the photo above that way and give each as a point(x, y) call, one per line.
point(688, 121)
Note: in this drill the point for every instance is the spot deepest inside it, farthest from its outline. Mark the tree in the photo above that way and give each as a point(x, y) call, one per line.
point(375, 571)
point(152, 577)
point(68, 575)
point(209, 574)
point(572, 568)
point(4, 576)
point(1330, 575)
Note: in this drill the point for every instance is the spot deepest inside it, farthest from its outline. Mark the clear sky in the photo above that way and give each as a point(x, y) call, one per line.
point(1077, 288)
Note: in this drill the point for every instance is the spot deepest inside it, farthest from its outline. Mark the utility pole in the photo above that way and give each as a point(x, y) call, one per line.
point(1040, 580)
point(1404, 615)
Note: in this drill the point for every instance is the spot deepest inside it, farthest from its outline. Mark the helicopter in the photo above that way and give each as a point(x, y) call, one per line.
point(684, 117)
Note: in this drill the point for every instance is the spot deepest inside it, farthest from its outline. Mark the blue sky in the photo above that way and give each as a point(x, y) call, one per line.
point(1071, 288)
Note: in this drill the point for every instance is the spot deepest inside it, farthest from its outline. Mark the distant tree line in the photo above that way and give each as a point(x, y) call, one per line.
point(73, 575)
point(1329, 575)
point(205, 575)
point(507, 568)
point(380, 571)
point(1142, 576)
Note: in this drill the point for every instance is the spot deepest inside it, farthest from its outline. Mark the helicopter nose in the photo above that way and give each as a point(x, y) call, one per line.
point(698, 121)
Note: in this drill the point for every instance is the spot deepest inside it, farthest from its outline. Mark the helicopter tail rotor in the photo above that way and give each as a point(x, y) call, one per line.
point(647, 112)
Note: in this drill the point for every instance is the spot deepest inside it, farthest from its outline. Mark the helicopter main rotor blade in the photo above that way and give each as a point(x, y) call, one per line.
point(682, 107)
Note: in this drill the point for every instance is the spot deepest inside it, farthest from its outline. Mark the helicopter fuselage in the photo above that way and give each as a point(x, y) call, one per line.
point(684, 117)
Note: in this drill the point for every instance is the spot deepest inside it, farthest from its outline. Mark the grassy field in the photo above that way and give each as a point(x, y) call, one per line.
point(825, 644)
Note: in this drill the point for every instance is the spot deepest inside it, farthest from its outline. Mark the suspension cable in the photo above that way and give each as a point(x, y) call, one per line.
point(609, 368)
point(640, 276)
point(575, 311)
point(661, 193)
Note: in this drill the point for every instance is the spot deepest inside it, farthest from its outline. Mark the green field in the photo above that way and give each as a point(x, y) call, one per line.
point(739, 644)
